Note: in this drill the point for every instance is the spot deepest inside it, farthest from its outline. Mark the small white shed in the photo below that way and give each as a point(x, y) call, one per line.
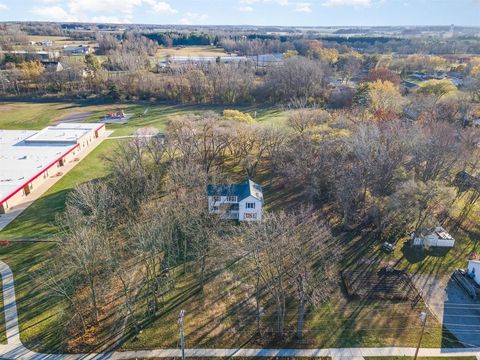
point(473, 270)
point(438, 237)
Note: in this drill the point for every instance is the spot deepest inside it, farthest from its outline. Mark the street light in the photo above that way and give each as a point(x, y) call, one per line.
point(423, 317)
point(182, 340)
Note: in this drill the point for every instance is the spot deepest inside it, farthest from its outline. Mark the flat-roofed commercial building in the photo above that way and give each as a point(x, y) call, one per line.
point(28, 158)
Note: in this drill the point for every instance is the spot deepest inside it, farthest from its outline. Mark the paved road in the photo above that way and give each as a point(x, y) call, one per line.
point(452, 307)
point(76, 117)
point(14, 348)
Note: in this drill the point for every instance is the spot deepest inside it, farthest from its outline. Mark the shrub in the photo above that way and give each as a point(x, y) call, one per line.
point(239, 116)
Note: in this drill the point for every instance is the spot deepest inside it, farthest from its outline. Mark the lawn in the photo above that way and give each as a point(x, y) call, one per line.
point(37, 115)
point(20, 115)
point(222, 317)
point(39, 314)
point(58, 42)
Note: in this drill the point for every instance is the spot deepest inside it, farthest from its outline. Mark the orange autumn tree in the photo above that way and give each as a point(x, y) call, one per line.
point(385, 100)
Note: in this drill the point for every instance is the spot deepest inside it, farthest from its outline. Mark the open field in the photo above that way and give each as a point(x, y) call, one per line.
point(36, 115)
point(191, 51)
point(59, 41)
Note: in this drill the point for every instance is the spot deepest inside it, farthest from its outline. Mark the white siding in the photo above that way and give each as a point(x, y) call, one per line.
point(474, 267)
point(248, 214)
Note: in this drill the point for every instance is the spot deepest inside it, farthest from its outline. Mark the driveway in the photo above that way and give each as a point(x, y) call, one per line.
point(75, 117)
point(452, 306)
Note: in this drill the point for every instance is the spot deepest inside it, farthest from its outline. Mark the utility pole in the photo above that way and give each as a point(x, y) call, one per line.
point(423, 317)
point(182, 339)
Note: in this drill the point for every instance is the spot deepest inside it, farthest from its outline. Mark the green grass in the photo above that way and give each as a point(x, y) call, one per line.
point(33, 116)
point(39, 315)
point(157, 115)
point(36, 115)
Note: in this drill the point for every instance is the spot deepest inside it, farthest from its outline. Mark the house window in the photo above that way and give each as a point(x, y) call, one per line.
point(215, 208)
point(250, 205)
point(231, 198)
point(216, 198)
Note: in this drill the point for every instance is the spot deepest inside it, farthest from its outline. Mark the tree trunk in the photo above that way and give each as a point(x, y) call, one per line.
point(257, 302)
point(94, 300)
point(202, 273)
point(280, 315)
point(301, 317)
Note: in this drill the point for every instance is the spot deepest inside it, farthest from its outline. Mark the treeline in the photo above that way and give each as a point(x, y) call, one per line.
point(170, 39)
point(217, 83)
point(365, 44)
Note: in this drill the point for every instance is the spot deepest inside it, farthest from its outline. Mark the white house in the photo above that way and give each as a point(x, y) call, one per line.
point(243, 201)
point(473, 270)
point(438, 237)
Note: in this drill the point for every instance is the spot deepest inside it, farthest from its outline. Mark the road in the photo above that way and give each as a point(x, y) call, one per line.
point(14, 349)
point(75, 117)
point(452, 307)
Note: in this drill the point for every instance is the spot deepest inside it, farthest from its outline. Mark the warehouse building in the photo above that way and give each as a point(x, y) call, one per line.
point(28, 158)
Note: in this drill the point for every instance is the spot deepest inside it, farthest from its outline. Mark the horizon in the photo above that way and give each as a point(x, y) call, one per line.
point(288, 13)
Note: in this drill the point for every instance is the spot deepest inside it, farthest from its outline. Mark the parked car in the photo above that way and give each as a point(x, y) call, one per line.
point(388, 247)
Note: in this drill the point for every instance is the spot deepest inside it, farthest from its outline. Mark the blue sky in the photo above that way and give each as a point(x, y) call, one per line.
point(252, 12)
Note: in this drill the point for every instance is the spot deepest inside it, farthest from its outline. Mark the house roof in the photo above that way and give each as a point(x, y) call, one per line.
point(438, 233)
point(241, 190)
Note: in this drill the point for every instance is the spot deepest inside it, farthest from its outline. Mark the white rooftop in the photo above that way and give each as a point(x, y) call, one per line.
point(26, 153)
point(57, 135)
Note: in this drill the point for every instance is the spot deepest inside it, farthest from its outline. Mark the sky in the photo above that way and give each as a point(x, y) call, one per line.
point(248, 12)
